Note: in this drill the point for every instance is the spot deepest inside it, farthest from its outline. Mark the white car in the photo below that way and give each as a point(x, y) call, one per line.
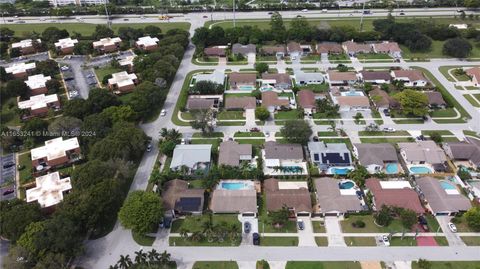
point(267, 134)
point(389, 130)
point(163, 113)
point(149, 147)
point(452, 227)
point(183, 142)
point(385, 240)
point(304, 10)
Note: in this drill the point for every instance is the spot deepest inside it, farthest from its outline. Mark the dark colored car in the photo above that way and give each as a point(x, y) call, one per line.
point(315, 139)
point(300, 224)
point(167, 222)
point(386, 112)
point(254, 129)
point(8, 165)
point(256, 239)
point(7, 192)
point(247, 227)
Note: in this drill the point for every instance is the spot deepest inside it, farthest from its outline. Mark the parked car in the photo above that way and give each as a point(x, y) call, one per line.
point(7, 192)
point(267, 134)
point(125, 19)
point(167, 222)
point(305, 10)
point(254, 129)
point(452, 227)
point(183, 142)
point(247, 227)
point(8, 164)
point(386, 112)
point(401, 13)
point(300, 224)
point(315, 139)
point(205, 16)
point(389, 129)
point(256, 239)
point(149, 147)
point(270, 13)
point(163, 113)
point(385, 240)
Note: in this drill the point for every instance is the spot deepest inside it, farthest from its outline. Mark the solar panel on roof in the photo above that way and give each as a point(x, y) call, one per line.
point(188, 204)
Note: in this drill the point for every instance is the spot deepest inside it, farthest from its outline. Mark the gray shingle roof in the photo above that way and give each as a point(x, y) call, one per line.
point(230, 151)
point(234, 201)
point(439, 200)
point(423, 151)
point(376, 153)
point(238, 48)
point(274, 150)
point(331, 200)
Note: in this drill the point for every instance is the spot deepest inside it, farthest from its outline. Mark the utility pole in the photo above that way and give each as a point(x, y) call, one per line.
point(106, 13)
point(361, 18)
point(234, 21)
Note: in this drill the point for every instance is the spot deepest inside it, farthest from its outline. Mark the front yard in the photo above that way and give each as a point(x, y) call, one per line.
point(215, 265)
point(370, 226)
point(373, 56)
point(449, 265)
point(279, 241)
point(230, 115)
point(360, 241)
point(471, 240)
point(322, 265)
point(194, 223)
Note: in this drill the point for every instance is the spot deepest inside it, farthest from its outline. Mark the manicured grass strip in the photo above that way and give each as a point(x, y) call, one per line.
point(471, 240)
point(471, 133)
point(250, 134)
point(410, 121)
point(318, 227)
point(321, 241)
point(360, 241)
point(230, 115)
point(212, 135)
point(405, 242)
point(440, 132)
point(25, 161)
point(194, 223)
point(432, 224)
point(181, 242)
point(251, 141)
point(441, 240)
point(443, 113)
point(327, 133)
point(230, 123)
point(215, 265)
point(370, 226)
point(279, 241)
point(472, 100)
point(265, 223)
point(445, 121)
point(449, 265)
point(386, 140)
point(323, 265)
point(287, 115)
point(396, 133)
point(143, 240)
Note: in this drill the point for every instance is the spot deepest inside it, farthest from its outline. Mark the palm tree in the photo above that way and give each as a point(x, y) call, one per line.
point(124, 262)
point(113, 266)
point(140, 257)
point(164, 258)
point(208, 230)
point(153, 256)
point(333, 126)
point(196, 236)
point(183, 233)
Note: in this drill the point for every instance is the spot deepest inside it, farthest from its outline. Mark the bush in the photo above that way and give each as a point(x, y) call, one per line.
point(359, 224)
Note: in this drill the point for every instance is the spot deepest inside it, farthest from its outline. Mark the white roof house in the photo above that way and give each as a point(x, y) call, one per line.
point(191, 155)
point(122, 79)
point(108, 41)
point(49, 189)
point(127, 61)
point(19, 68)
point(66, 43)
point(54, 148)
point(37, 81)
point(38, 101)
point(218, 76)
point(147, 41)
point(27, 43)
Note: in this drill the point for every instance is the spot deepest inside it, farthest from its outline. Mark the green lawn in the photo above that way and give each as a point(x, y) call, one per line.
point(317, 88)
point(143, 240)
point(405, 242)
point(230, 123)
point(215, 265)
point(318, 227)
point(373, 56)
point(462, 225)
point(9, 114)
point(370, 227)
point(386, 140)
point(230, 115)
point(321, 241)
point(87, 29)
point(187, 116)
point(251, 141)
point(212, 135)
point(322, 265)
point(340, 58)
point(441, 240)
point(289, 227)
point(432, 223)
point(396, 133)
point(104, 71)
point(471, 240)
point(440, 132)
point(444, 70)
point(471, 100)
point(337, 140)
point(194, 223)
point(327, 133)
point(26, 173)
point(249, 134)
point(359, 241)
point(410, 121)
point(287, 115)
point(279, 241)
point(471, 133)
point(181, 242)
point(214, 141)
point(449, 265)
point(443, 113)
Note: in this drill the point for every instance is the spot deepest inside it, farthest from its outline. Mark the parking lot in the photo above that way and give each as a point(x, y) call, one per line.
point(78, 80)
point(7, 177)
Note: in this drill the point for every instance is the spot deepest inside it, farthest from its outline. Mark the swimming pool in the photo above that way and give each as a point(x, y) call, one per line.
point(246, 88)
point(340, 171)
point(233, 185)
point(352, 93)
point(419, 170)
point(346, 185)
point(447, 186)
point(391, 168)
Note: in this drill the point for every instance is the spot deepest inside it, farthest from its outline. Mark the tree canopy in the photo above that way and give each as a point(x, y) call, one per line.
point(412, 102)
point(296, 131)
point(141, 212)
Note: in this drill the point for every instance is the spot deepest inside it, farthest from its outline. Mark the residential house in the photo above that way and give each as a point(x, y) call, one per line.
point(122, 82)
point(127, 62)
point(107, 45)
point(354, 48)
point(283, 159)
point(232, 153)
point(388, 47)
point(278, 51)
point(38, 84)
point(293, 195)
point(295, 50)
point(195, 102)
point(278, 81)
point(435, 100)
point(178, 198)
point(375, 77)
point(337, 78)
point(307, 101)
point(242, 201)
point(465, 153)
point(442, 197)
point(334, 201)
point(240, 103)
point(65, 45)
point(215, 51)
point(245, 50)
point(56, 152)
point(26, 46)
point(273, 102)
point(39, 105)
point(326, 155)
point(329, 48)
point(20, 70)
point(411, 77)
point(242, 81)
point(382, 100)
point(425, 153)
point(147, 43)
point(217, 76)
point(303, 78)
point(395, 193)
point(352, 103)
point(49, 190)
point(377, 157)
point(193, 157)
point(474, 74)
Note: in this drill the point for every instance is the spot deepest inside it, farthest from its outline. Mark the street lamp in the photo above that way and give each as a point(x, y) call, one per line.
point(234, 21)
point(106, 14)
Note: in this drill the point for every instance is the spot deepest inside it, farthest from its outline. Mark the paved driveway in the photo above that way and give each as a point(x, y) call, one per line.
point(452, 238)
point(305, 236)
point(334, 231)
point(250, 117)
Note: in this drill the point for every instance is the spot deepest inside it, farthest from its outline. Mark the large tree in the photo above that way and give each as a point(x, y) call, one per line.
point(206, 87)
point(278, 28)
point(204, 120)
point(296, 131)
point(473, 218)
point(408, 218)
point(413, 102)
point(65, 126)
point(141, 212)
point(17, 87)
point(262, 113)
point(457, 47)
point(15, 216)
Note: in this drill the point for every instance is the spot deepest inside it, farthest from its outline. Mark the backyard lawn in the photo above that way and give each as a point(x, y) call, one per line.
point(104, 71)
point(370, 226)
point(10, 116)
point(322, 265)
point(360, 241)
point(279, 241)
point(26, 173)
point(194, 223)
point(215, 265)
point(449, 265)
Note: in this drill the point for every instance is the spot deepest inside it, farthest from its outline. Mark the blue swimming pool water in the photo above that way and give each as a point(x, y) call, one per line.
point(233, 186)
point(346, 185)
point(420, 170)
point(447, 186)
point(391, 168)
point(340, 171)
point(352, 94)
point(246, 88)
